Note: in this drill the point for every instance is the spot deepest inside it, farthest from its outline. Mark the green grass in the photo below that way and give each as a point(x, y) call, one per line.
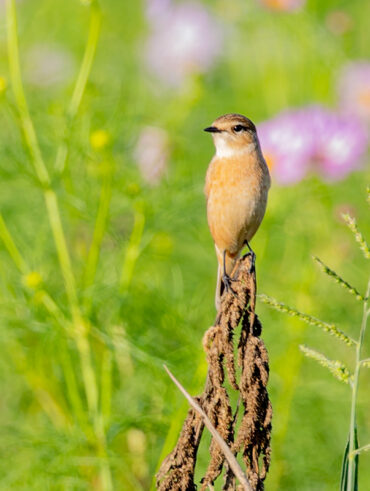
point(125, 280)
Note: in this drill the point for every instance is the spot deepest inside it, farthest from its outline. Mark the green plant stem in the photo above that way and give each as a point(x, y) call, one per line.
point(106, 385)
point(132, 251)
point(99, 230)
point(309, 319)
point(80, 86)
point(37, 160)
point(42, 296)
point(11, 247)
point(62, 250)
point(338, 279)
point(51, 204)
point(80, 331)
point(40, 384)
point(352, 449)
point(15, 75)
point(72, 390)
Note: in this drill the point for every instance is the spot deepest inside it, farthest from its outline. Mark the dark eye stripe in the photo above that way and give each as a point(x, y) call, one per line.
point(239, 127)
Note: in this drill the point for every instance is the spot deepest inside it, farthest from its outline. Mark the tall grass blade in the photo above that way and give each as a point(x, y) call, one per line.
point(344, 473)
point(344, 483)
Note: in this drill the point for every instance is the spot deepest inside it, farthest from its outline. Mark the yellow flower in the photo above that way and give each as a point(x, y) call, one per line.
point(99, 139)
point(32, 280)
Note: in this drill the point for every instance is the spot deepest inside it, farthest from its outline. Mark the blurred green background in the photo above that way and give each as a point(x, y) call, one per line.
point(151, 296)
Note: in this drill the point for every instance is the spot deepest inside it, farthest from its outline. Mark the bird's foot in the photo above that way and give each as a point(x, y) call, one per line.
point(227, 282)
point(252, 266)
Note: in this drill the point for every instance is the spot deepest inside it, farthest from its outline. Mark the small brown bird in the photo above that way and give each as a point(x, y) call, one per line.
point(236, 189)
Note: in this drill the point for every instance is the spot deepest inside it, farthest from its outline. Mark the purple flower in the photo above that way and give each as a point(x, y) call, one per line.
point(151, 153)
point(286, 148)
point(354, 89)
point(284, 5)
point(184, 39)
point(341, 141)
point(312, 138)
point(157, 9)
point(48, 65)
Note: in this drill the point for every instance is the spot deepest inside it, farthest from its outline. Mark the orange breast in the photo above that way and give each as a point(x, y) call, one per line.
point(236, 192)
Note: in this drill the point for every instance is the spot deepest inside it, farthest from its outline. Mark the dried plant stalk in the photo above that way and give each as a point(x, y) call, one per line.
point(230, 457)
point(177, 469)
point(252, 438)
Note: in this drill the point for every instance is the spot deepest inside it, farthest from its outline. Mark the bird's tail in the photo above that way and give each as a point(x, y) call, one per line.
point(220, 287)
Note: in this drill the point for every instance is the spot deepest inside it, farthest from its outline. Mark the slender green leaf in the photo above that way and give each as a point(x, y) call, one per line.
point(344, 473)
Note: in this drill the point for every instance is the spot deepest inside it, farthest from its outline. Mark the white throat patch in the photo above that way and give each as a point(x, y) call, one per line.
point(224, 150)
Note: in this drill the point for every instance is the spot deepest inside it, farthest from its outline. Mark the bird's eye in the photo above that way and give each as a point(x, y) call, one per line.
point(238, 128)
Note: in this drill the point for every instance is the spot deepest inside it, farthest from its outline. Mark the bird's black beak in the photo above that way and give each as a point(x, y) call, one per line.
point(212, 129)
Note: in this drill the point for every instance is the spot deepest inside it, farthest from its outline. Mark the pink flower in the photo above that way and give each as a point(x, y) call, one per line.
point(312, 139)
point(284, 5)
point(184, 39)
point(151, 153)
point(157, 9)
point(286, 148)
point(341, 141)
point(354, 89)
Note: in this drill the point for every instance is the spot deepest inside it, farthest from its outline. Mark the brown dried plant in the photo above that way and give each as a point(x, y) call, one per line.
point(248, 376)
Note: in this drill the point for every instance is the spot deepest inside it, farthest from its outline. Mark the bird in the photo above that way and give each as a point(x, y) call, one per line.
point(236, 188)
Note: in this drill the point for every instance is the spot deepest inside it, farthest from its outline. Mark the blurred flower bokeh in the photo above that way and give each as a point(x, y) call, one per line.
point(312, 139)
point(339, 22)
point(185, 39)
point(151, 154)
point(354, 89)
point(49, 65)
point(99, 139)
point(283, 5)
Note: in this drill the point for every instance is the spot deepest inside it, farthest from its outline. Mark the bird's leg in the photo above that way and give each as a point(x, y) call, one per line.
point(253, 257)
point(226, 278)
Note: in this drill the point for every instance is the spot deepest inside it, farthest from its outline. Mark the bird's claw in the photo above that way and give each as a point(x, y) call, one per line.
point(252, 266)
point(227, 282)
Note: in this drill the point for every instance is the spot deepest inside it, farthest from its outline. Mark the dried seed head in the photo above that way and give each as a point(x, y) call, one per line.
point(253, 435)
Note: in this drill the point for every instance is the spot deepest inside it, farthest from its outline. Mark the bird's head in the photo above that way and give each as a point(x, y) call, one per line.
point(233, 134)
